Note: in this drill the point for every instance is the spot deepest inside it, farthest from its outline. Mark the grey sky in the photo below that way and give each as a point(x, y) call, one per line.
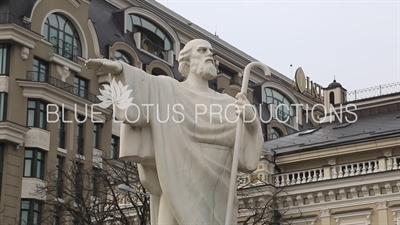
point(357, 41)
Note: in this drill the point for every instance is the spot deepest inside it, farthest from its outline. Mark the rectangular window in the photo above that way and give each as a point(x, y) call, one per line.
point(1, 165)
point(3, 106)
point(36, 114)
point(61, 129)
point(31, 211)
point(57, 215)
point(34, 163)
point(59, 176)
point(79, 182)
point(40, 70)
point(81, 87)
point(4, 59)
point(95, 181)
point(79, 136)
point(96, 135)
point(114, 153)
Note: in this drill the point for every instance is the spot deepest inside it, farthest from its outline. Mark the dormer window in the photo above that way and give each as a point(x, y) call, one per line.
point(153, 39)
point(285, 110)
point(122, 56)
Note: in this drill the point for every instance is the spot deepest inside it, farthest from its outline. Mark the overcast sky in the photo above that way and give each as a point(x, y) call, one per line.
point(356, 41)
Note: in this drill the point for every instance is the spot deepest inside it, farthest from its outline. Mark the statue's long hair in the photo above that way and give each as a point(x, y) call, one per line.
point(184, 60)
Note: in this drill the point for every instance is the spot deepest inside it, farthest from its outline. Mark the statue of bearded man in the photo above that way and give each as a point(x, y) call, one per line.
point(184, 154)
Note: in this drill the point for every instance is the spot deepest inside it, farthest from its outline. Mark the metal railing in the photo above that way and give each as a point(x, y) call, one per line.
point(65, 49)
point(154, 49)
point(11, 18)
point(42, 77)
point(371, 92)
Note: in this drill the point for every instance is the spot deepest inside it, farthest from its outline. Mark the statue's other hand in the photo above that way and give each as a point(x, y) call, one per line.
point(102, 66)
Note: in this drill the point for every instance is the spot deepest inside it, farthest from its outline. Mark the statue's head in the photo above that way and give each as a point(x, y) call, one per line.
point(197, 58)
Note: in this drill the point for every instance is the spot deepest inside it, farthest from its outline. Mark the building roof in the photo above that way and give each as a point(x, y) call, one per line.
point(334, 84)
point(372, 127)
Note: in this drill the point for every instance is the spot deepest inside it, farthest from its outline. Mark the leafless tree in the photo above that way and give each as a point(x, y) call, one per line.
point(258, 203)
point(88, 194)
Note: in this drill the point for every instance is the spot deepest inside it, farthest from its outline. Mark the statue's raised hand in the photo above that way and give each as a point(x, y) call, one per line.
point(104, 66)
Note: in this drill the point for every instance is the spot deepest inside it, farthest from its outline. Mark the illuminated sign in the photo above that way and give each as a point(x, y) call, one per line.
point(304, 84)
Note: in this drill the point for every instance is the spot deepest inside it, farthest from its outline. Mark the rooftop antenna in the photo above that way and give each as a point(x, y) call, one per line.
point(334, 78)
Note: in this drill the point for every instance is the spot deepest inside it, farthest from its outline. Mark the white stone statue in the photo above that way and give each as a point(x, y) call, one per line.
point(184, 153)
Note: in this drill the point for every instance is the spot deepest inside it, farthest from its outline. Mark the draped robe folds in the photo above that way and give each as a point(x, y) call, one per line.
point(181, 154)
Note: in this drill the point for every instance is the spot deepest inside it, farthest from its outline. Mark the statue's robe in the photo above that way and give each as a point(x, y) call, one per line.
point(189, 163)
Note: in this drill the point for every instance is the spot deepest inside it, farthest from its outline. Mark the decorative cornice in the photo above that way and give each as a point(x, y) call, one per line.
point(20, 35)
point(325, 213)
point(339, 150)
point(12, 132)
point(4, 82)
point(65, 62)
point(362, 213)
point(57, 96)
point(75, 3)
point(381, 205)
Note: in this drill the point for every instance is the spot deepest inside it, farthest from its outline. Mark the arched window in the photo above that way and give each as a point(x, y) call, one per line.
point(275, 133)
point(331, 98)
point(59, 31)
point(285, 110)
point(153, 38)
point(122, 56)
point(158, 71)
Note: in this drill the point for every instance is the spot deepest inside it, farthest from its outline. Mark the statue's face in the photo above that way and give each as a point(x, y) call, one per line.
point(202, 62)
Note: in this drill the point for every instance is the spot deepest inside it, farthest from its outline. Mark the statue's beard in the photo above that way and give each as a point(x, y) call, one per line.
point(205, 70)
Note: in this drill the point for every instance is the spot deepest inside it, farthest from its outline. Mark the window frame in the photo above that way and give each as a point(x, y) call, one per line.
point(2, 149)
point(59, 176)
point(114, 146)
point(75, 44)
point(34, 163)
point(95, 182)
point(31, 211)
point(79, 88)
point(61, 130)
point(36, 113)
point(3, 106)
point(5, 54)
point(80, 140)
point(96, 135)
point(120, 55)
point(40, 70)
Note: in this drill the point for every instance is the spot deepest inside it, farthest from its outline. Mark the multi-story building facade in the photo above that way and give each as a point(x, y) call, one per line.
point(43, 47)
point(346, 170)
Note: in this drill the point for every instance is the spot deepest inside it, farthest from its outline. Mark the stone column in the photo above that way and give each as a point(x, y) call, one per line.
point(325, 217)
point(382, 213)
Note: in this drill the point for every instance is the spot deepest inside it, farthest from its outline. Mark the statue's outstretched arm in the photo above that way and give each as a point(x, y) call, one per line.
point(104, 66)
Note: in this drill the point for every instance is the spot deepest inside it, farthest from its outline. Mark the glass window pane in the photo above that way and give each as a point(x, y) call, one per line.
point(53, 20)
point(45, 31)
point(39, 166)
point(28, 154)
point(136, 20)
point(31, 118)
point(68, 29)
point(146, 24)
point(27, 168)
point(25, 204)
point(31, 104)
point(24, 218)
point(129, 25)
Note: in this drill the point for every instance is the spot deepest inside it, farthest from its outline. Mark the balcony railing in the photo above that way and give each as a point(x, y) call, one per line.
point(337, 171)
point(42, 77)
point(371, 92)
point(65, 49)
point(154, 49)
point(11, 18)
